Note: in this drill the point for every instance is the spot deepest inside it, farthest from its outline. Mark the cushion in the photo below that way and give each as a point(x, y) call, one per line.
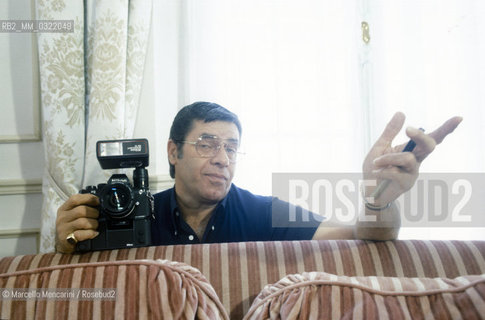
point(320, 295)
point(134, 289)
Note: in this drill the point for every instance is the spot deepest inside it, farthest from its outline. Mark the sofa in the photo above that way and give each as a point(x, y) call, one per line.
point(331, 279)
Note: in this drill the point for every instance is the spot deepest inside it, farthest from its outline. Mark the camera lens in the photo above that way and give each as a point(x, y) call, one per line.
point(117, 200)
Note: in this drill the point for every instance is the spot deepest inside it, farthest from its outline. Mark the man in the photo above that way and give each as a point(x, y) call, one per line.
point(204, 205)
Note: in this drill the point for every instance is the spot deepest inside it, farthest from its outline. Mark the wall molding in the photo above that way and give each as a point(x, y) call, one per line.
point(161, 182)
point(36, 134)
point(21, 138)
point(17, 233)
point(20, 186)
point(20, 233)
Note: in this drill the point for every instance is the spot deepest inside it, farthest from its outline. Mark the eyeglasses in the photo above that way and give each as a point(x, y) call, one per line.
point(207, 146)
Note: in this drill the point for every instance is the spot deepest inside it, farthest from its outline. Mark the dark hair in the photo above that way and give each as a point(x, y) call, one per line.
point(205, 111)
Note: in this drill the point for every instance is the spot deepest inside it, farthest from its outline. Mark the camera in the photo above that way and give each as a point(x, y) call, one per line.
point(125, 210)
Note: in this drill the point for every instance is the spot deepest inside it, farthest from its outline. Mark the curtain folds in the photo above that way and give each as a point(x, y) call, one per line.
point(90, 88)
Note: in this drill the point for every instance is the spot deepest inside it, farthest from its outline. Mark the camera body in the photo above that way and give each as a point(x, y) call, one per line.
point(125, 210)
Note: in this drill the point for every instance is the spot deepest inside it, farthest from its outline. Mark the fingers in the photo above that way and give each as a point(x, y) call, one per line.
point(79, 216)
point(391, 173)
point(390, 132)
point(425, 143)
point(401, 168)
point(78, 212)
point(80, 199)
point(81, 224)
point(448, 127)
point(84, 224)
point(78, 206)
point(83, 235)
point(82, 228)
point(404, 161)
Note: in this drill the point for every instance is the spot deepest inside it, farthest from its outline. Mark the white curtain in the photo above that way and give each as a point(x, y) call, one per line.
point(90, 86)
point(427, 60)
point(288, 69)
point(313, 96)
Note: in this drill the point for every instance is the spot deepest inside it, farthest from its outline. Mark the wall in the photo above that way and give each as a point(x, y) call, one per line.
point(21, 154)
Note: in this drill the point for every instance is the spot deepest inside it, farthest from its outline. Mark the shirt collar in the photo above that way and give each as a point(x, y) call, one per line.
point(174, 204)
point(175, 216)
point(224, 201)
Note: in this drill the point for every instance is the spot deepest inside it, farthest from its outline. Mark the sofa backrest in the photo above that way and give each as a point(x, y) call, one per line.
point(239, 271)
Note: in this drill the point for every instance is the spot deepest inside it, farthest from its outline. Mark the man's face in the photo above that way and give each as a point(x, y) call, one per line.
point(200, 180)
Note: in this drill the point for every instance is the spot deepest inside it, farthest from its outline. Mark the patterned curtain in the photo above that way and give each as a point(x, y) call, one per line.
point(90, 87)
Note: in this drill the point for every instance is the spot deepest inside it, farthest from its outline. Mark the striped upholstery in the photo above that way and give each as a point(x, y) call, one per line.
point(239, 271)
point(319, 295)
point(140, 289)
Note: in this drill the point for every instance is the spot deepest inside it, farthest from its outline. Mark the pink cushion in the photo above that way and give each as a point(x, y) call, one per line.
point(153, 289)
point(320, 295)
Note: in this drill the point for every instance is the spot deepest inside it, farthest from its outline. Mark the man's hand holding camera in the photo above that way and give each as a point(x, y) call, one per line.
point(78, 218)
point(110, 215)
